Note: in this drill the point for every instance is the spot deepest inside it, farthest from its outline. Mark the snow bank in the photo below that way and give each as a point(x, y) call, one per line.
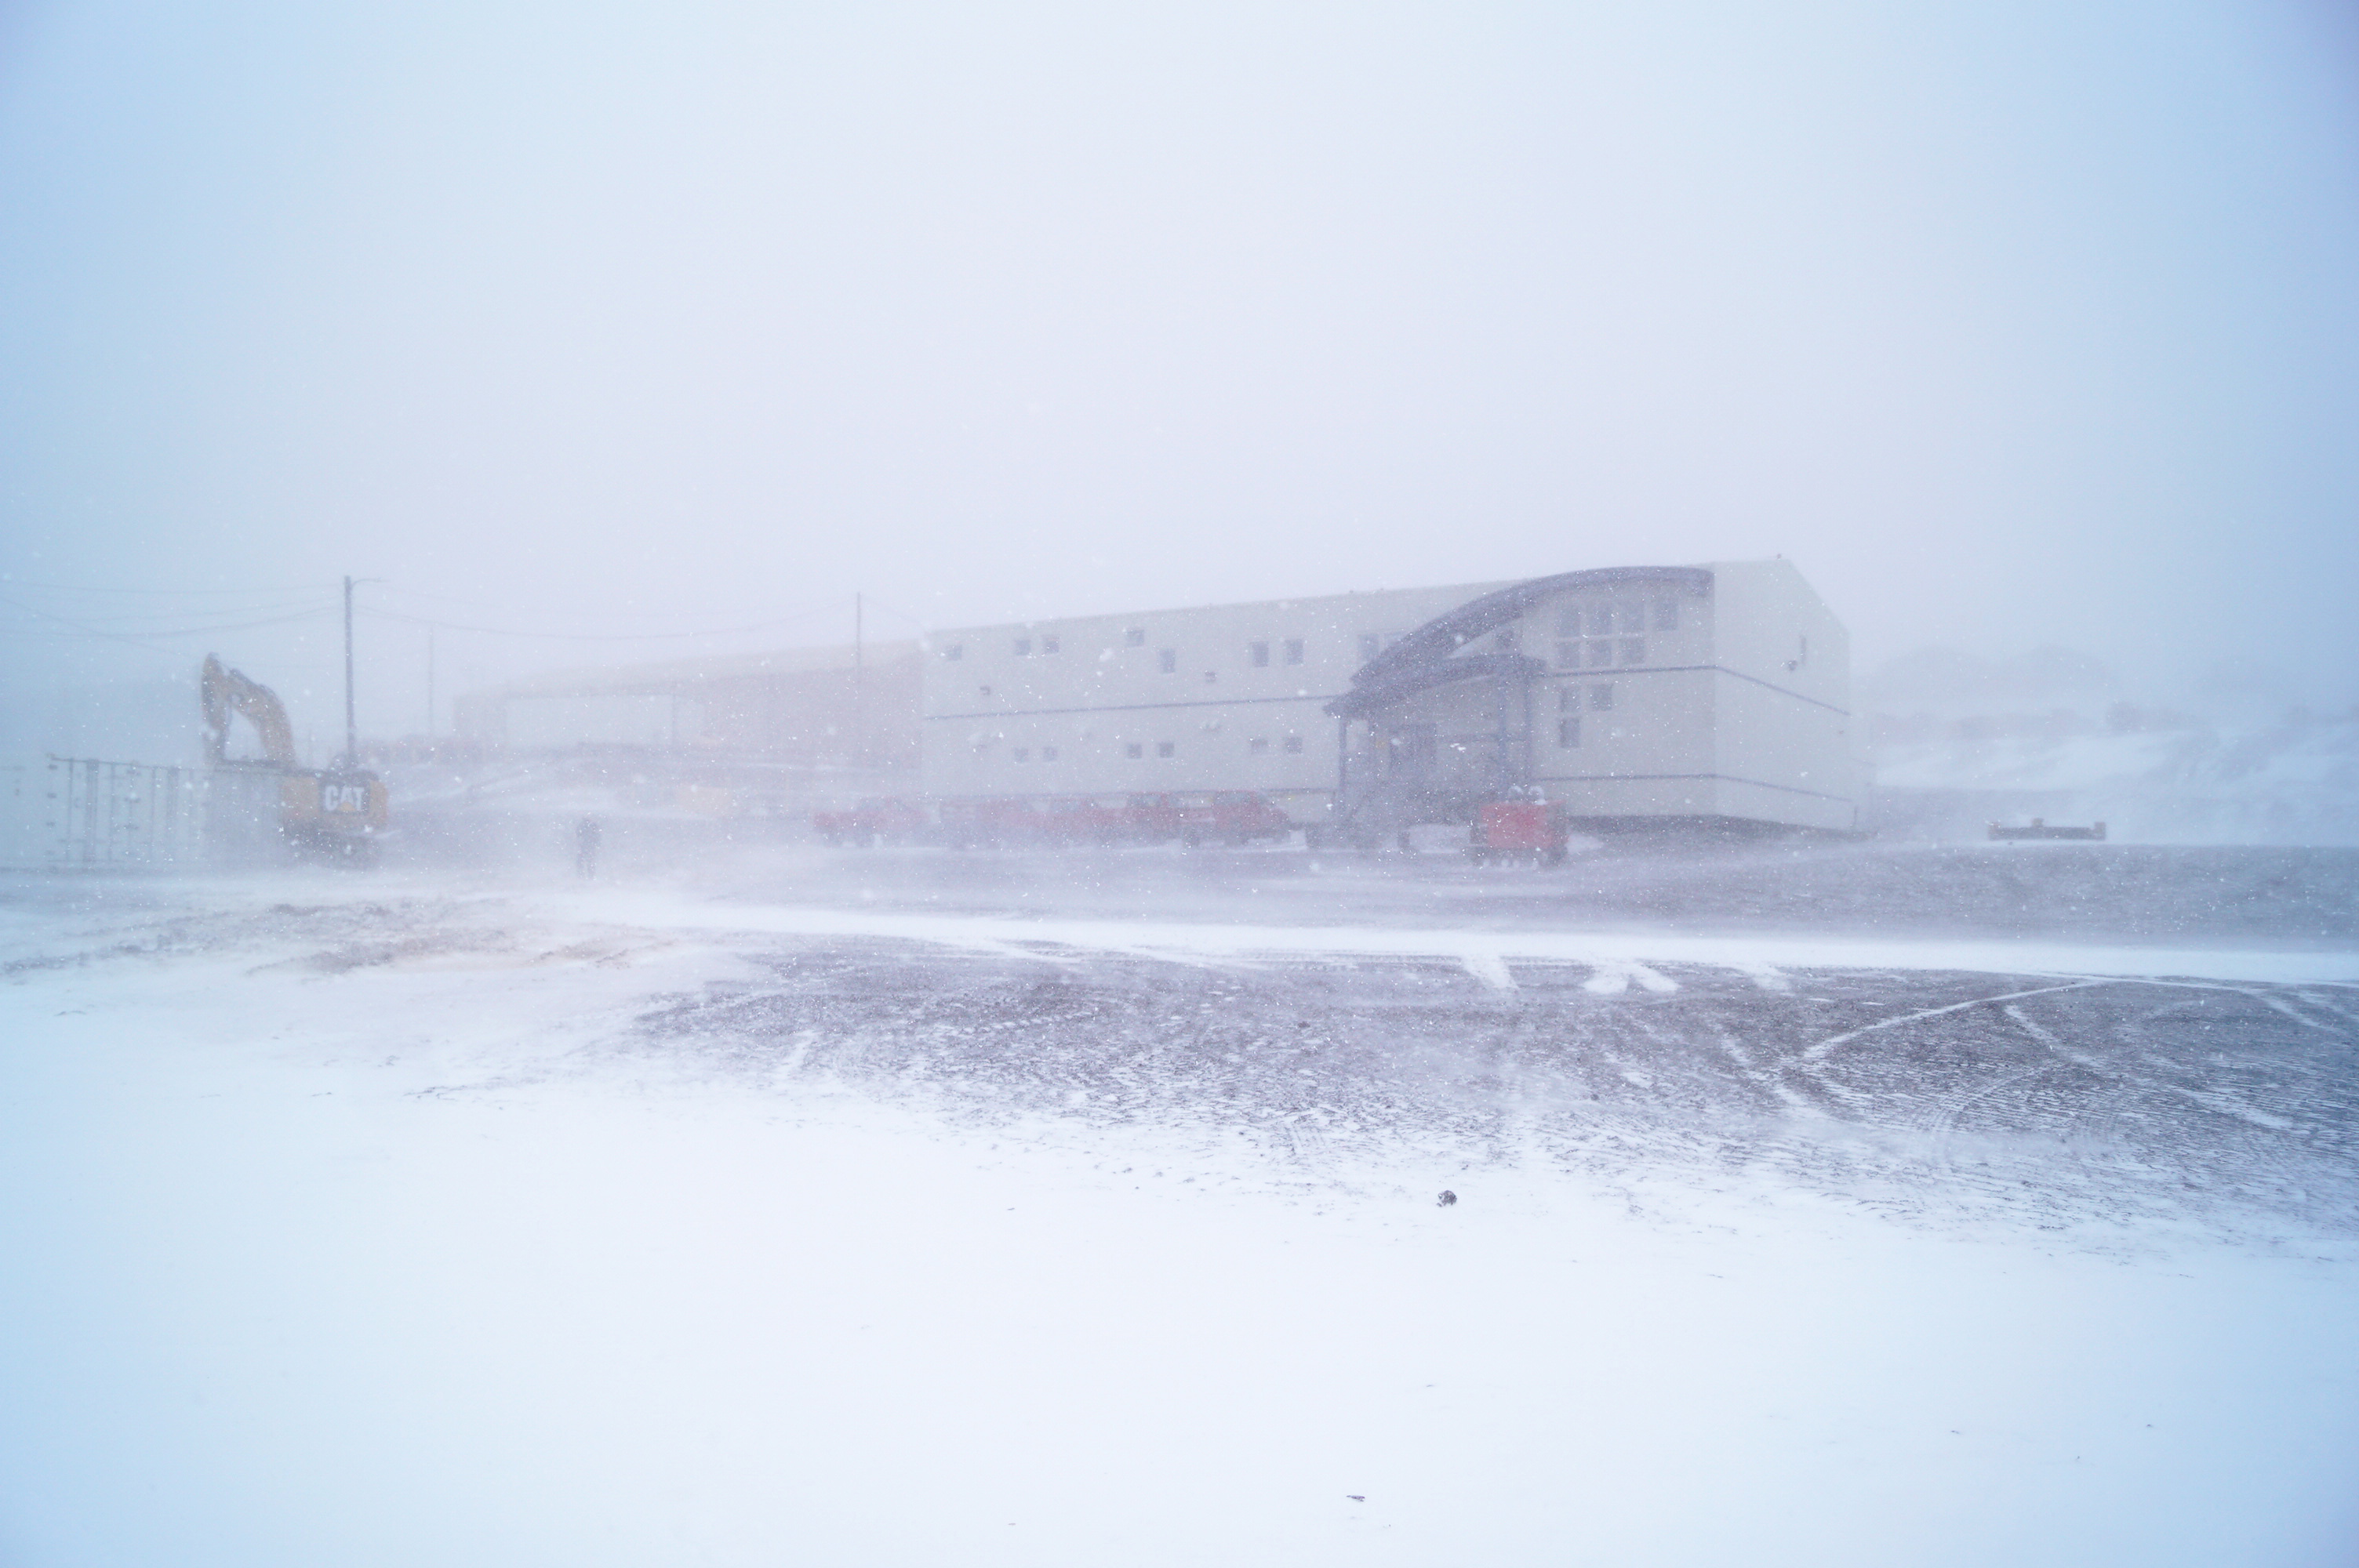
point(328, 1256)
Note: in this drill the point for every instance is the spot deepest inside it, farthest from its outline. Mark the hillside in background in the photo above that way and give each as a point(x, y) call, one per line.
point(1955, 742)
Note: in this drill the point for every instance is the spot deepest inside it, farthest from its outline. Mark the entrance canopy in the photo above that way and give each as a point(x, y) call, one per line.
point(1433, 643)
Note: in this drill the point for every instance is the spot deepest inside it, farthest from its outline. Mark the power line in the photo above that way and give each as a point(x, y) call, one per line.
point(901, 614)
point(802, 616)
point(141, 639)
point(175, 592)
point(229, 621)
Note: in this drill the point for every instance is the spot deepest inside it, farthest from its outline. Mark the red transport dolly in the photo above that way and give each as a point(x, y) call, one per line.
point(1530, 830)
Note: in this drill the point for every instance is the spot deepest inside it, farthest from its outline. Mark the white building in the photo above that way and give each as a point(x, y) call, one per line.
point(1639, 694)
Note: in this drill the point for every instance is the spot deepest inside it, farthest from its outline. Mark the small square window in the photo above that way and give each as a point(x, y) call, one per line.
point(1634, 616)
point(1021, 754)
point(1601, 620)
point(1048, 645)
point(1568, 698)
point(1599, 653)
point(1633, 650)
point(1667, 615)
point(1568, 621)
point(1023, 647)
point(1168, 660)
point(1210, 677)
point(1048, 753)
point(1568, 655)
point(983, 689)
point(1294, 743)
point(1134, 749)
point(955, 651)
point(1259, 654)
point(1294, 650)
point(1164, 748)
point(1134, 638)
point(1257, 746)
point(1600, 698)
point(1568, 734)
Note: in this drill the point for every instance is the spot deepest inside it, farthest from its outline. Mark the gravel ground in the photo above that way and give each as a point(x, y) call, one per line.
point(1934, 1098)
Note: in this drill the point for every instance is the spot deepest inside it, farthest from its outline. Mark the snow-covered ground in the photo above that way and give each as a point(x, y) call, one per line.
point(926, 1209)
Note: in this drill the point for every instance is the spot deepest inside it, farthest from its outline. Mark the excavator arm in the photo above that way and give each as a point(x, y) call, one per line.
point(223, 692)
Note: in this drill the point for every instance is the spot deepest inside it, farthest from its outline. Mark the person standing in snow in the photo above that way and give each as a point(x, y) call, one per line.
point(586, 834)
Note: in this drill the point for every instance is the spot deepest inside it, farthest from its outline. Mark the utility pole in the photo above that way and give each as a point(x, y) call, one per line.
point(352, 728)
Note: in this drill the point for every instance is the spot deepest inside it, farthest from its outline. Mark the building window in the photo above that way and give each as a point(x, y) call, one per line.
point(1168, 660)
point(1023, 647)
point(1164, 748)
point(1048, 753)
point(1021, 754)
point(1568, 733)
point(1600, 698)
point(984, 690)
point(1294, 743)
point(1048, 645)
point(1370, 646)
point(1622, 622)
point(1257, 746)
point(1134, 749)
point(1210, 677)
point(1260, 654)
point(1568, 723)
point(1134, 638)
point(1294, 650)
point(955, 651)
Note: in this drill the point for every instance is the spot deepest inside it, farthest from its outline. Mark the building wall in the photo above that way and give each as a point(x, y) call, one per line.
point(800, 708)
point(1631, 665)
point(1783, 735)
point(1684, 701)
point(1182, 679)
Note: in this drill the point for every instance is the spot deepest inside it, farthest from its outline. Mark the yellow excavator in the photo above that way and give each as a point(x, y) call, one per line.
point(327, 812)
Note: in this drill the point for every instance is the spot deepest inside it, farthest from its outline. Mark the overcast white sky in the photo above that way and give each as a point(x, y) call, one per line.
point(2011, 323)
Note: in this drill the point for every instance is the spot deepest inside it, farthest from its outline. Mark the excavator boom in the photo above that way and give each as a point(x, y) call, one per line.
point(225, 691)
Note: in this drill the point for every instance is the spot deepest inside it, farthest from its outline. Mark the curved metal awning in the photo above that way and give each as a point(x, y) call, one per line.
point(1368, 699)
point(1437, 639)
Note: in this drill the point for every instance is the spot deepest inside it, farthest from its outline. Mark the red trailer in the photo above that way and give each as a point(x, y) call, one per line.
point(872, 822)
point(1228, 817)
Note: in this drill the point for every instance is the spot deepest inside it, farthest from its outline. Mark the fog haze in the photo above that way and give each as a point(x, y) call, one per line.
point(1337, 1085)
point(2014, 326)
